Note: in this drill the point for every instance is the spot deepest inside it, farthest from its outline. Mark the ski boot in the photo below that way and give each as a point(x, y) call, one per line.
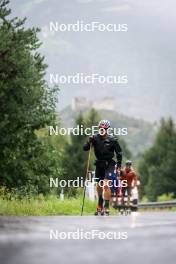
point(100, 211)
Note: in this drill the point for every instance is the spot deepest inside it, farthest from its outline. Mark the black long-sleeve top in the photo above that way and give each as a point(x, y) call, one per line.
point(105, 148)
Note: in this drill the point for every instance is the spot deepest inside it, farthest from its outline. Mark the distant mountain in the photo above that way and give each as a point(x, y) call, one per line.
point(140, 133)
point(145, 53)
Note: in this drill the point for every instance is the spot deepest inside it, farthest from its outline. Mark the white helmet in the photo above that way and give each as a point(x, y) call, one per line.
point(104, 124)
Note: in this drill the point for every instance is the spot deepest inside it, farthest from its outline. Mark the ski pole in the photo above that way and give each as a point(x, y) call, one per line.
point(87, 171)
point(118, 188)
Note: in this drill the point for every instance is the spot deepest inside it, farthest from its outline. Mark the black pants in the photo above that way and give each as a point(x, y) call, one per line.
point(103, 168)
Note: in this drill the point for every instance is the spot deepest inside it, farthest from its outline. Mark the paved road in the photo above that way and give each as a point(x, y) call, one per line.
point(147, 238)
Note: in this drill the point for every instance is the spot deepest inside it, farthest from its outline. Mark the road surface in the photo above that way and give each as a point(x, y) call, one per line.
point(139, 238)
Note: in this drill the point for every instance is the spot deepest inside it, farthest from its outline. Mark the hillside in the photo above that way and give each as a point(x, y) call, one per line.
point(140, 133)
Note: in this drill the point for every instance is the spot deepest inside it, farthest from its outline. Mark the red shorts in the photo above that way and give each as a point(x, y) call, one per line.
point(127, 190)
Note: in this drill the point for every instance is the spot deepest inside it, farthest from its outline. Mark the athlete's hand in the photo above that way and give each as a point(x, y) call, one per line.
point(91, 139)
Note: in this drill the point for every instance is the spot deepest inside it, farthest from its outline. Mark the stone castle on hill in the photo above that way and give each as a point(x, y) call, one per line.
point(82, 103)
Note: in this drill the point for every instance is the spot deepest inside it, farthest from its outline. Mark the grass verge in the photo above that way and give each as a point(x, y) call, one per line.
point(45, 206)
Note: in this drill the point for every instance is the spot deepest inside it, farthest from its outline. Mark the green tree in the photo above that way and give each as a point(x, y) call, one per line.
point(157, 167)
point(92, 118)
point(27, 104)
point(75, 157)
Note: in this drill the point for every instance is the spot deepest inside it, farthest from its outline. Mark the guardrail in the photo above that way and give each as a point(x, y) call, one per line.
point(167, 204)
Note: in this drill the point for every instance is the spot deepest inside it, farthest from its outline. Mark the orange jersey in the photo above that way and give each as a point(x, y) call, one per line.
point(129, 176)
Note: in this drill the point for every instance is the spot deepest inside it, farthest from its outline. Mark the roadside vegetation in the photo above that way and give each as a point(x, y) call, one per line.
point(29, 156)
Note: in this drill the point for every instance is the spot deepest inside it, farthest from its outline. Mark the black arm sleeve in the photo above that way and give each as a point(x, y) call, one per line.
point(86, 146)
point(118, 152)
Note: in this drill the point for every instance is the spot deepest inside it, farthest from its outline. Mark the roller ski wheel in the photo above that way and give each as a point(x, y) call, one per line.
point(102, 213)
point(121, 211)
point(106, 213)
point(128, 211)
point(99, 211)
point(124, 212)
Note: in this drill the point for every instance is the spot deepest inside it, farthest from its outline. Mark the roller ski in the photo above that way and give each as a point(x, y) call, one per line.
point(122, 211)
point(100, 211)
point(125, 211)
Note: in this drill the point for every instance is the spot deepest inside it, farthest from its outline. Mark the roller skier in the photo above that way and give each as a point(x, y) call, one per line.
point(105, 147)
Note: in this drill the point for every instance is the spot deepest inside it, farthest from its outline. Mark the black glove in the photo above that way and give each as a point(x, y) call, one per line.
point(91, 139)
